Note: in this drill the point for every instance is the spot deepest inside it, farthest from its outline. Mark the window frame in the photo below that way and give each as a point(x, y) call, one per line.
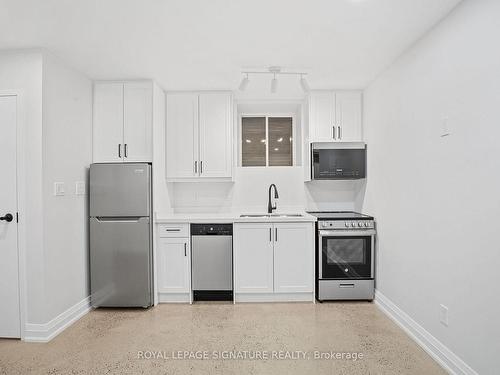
point(267, 115)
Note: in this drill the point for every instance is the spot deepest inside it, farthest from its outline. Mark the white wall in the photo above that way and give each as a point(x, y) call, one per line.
point(67, 153)
point(22, 71)
point(436, 199)
point(56, 112)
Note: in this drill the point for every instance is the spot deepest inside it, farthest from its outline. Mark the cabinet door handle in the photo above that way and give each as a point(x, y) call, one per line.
point(201, 167)
point(125, 150)
point(276, 234)
point(195, 167)
point(340, 132)
point(120, 150)
point(270, 235)
point(185, 249)
point(333, 132)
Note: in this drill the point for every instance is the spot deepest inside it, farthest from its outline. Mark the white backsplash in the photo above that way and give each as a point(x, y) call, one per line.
point(249, 192)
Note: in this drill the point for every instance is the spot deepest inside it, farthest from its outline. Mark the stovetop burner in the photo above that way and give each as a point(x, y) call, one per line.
point(339, 215)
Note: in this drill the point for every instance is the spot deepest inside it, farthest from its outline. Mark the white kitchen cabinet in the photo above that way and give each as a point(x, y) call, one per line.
point(321, 116)
point(108, 122)
point(215, 135)
point(273, 261)
point(348, 112)
point(174, 269)
point(293, 257)
point(122, 122)
point(182, 135)
point(137, 121)
point(199, 135)
point(253, 258)
point(335, 116)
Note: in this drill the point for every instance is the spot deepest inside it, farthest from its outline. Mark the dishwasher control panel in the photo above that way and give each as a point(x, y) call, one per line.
point(211, 229)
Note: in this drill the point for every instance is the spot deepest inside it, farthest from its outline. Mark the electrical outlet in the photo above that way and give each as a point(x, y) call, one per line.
point(59, 188)
point(80, 188)
point(443, 315)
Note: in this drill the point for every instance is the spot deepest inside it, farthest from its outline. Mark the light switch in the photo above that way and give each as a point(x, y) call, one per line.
point(59, 188)
point(80, 188)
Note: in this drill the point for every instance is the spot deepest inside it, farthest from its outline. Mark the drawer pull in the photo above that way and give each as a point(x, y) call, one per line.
point(173, 230)
point(346, 285)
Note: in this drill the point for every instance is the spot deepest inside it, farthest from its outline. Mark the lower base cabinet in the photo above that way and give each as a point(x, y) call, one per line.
point(274, 261)
point(173, 268)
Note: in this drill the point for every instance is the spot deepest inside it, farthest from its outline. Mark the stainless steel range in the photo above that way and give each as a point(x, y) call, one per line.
point(345, 256)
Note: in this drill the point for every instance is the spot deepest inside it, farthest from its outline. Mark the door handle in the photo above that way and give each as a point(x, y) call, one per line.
point(120, 150)
point(201, 167)
point(346, 285)
point(185, 251)
point(276, 234)
point(340, 132)
point(270, 235)
point(126, 149)
point(333, 132)
point(195, 167)
point(8, 218)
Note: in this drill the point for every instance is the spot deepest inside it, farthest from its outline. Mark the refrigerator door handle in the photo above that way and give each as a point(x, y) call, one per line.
point(118, 219)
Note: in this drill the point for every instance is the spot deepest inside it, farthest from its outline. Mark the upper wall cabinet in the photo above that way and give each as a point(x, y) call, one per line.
point(199, 135)
point(335, 116)
point(122, 122)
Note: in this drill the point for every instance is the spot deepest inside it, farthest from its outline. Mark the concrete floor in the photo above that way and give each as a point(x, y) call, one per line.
point(110, 341)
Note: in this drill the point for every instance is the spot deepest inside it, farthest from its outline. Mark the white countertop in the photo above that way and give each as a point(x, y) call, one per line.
point(231, 217)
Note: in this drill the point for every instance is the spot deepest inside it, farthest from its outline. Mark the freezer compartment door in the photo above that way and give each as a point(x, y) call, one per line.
point(212, 262)
point(120, 190)
point(120, 262)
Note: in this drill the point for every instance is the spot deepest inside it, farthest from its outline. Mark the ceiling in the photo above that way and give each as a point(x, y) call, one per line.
point(204, 44)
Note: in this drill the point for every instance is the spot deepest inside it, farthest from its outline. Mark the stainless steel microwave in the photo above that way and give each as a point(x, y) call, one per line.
point(338, 161)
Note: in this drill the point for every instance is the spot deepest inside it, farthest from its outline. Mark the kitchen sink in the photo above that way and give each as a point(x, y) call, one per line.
point(271, 215)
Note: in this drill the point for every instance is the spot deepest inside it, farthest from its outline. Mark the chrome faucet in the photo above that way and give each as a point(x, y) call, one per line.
point(270, 207)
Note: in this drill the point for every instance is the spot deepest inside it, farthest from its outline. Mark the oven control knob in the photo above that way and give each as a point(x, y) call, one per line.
point(353, 225)
point(366, 224)
point(360, 224)
point(347, 224)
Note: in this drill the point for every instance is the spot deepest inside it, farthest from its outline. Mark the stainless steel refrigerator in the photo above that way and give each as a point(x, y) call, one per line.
point(121, 266)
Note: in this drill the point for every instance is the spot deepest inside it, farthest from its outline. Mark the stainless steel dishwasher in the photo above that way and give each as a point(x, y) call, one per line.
point(212, 262)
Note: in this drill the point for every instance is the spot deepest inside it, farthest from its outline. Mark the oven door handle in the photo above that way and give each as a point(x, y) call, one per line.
point(347, 233)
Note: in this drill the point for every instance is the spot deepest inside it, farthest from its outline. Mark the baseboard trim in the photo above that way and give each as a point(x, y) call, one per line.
point(47, 331)
point(174, 297)
point(435, 348)
point(274, 297)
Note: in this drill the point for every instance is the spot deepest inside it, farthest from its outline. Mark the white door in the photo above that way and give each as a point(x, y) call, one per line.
point(348, 115)
point(253, 258)
point(137, 121)
point(182, 135)
point(108, 123)
point(174, 263)
point(10, 325)
point(293, 257)
point(322, 116)
point(215, 134)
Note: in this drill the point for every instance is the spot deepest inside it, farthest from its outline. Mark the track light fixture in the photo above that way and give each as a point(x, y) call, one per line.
point(304, 84)
point(275, 71)
point(244, 83)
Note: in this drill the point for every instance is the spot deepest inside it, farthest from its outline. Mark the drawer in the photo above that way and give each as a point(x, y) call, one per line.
point(173, 230)
point(346, 290)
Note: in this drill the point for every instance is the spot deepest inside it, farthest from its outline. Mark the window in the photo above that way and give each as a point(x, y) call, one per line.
point(266, 141)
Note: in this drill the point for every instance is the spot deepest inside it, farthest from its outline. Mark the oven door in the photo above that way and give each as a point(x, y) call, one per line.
point(346, 254)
